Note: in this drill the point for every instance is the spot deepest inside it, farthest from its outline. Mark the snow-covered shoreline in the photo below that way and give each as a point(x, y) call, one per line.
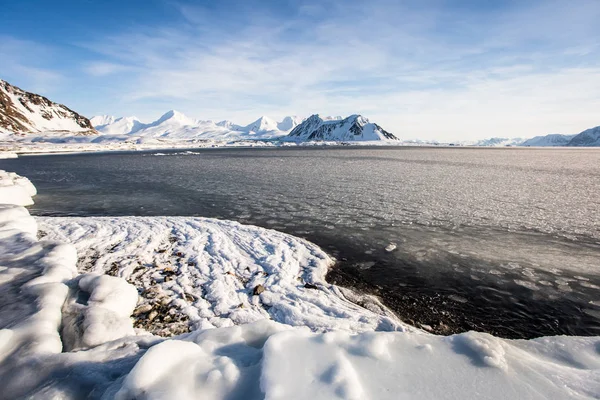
point(12, 149)
point(66, 331)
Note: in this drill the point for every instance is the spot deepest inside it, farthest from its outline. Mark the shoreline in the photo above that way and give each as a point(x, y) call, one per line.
point(67, 333)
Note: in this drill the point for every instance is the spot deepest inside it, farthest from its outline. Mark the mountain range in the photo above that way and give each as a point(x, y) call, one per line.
point(175, 125)
point(23, 112)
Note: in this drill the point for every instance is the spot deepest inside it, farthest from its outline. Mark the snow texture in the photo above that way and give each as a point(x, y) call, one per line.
point(203, 273)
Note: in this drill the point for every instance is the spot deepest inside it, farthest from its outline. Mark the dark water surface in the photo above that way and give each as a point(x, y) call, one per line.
point(499, 240)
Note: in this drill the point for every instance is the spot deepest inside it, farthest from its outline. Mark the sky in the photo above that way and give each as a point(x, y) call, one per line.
point(444, 70)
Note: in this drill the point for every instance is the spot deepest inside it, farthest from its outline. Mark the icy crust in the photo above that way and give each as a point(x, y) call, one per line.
point(195, 273)
point(15, 189)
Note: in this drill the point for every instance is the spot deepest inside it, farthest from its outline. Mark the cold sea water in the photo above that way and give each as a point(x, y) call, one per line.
point(505, 241)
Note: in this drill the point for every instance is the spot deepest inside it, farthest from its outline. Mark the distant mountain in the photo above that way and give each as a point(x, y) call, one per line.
point(230, 125)
point(175, 125)
point(552, 140)
point(499, 142)
point(352, 128)
point(24, 112)
point(116, 126)
point(289, 123)
point(587, 138)
point(263, 124)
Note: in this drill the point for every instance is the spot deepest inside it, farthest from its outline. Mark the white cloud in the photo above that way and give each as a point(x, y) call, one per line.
point(427, 72)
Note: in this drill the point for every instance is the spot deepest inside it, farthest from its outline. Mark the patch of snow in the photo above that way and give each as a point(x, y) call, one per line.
point(15, 189)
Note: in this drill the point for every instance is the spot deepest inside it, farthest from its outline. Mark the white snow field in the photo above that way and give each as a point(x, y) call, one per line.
point(66, 332)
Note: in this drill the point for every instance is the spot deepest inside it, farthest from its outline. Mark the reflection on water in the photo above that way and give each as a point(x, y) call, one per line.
point(501, 240)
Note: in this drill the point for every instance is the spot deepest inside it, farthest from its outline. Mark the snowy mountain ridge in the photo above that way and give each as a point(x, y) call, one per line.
point(175, 125)
point(23, 112)
point(352, 128)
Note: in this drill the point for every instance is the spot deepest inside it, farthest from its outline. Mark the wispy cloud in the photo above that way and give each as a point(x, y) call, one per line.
point(430, 69)
point(20, 64)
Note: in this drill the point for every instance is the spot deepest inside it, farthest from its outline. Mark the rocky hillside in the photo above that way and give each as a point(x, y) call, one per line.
point(352, 128)
point(24, 112)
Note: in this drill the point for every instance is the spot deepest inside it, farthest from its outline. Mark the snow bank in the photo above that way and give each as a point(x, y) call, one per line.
point(7, 154)
point(33, 275)
point(104, 314)
point(423, 366)
point(203, 273)
point(15, 189)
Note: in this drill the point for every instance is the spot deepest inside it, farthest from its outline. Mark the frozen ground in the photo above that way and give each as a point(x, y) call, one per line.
point(66, 333)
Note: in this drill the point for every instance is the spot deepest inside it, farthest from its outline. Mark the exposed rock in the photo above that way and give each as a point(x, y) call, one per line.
point(258, 289)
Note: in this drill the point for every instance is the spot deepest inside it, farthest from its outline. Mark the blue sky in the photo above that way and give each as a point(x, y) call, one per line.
point(439, 69)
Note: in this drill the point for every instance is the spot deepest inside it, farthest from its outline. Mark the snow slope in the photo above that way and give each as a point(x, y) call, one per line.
point(552, 140)
point(352, 128)
point(22, 111)
point(587, 138)
point(66, 333)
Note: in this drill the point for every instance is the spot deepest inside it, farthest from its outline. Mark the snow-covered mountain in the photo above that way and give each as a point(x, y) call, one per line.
point(263, 124)
point(116, 126)
point(499, 142)
point(230, 125)
point(289, 123)
point(587, 138)
point(552, 140)
point(352, 128)
point(175, 125)
point(24, 112)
